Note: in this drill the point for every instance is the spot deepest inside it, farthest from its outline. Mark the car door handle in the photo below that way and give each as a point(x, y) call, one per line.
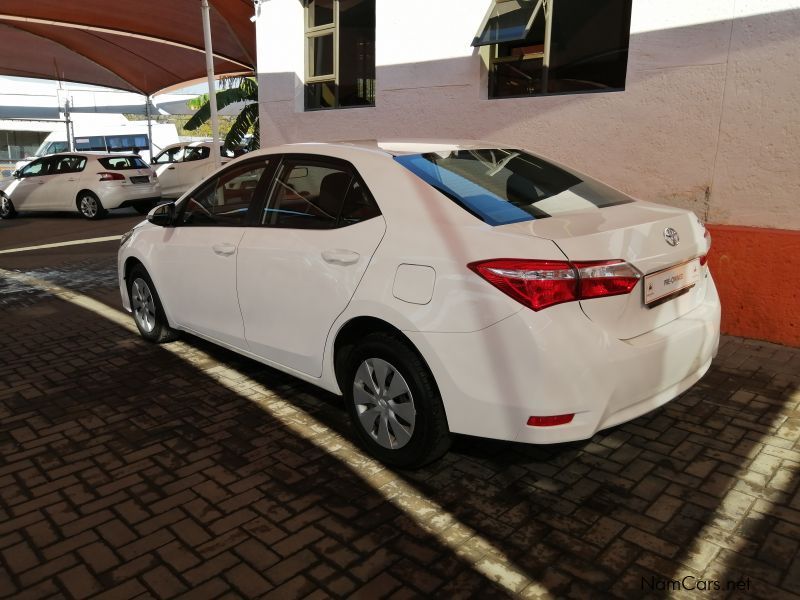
point(170, 168)
point(72, 179)
point(340, 257)
point(224, 249)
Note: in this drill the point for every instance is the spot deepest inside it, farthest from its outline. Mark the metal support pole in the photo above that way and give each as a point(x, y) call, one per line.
point(70, 136)
point(212, 88)
point(149, 130)
point(548, 31)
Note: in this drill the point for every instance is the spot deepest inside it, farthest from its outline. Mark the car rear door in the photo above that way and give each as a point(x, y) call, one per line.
point(300, 264)
point(195, 263)
point(65, 181)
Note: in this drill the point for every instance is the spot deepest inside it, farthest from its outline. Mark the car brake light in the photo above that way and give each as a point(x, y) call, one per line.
point(550, 421)
point(105, 176)
point(538, 284)
point(704, 257)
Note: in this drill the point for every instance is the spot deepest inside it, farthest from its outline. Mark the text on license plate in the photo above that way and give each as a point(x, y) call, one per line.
point(668, 281)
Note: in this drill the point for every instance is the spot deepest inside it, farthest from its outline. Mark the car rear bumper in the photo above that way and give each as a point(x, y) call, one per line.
point(118, 196)
point(558, 362)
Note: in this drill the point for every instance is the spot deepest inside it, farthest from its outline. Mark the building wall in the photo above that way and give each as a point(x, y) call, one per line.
point(709, 119)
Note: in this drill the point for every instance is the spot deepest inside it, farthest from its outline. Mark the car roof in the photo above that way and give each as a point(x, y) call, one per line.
point(387, 147)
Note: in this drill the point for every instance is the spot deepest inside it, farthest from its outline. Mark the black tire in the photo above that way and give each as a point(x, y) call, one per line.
point(89, 206)
point(160, 332)
point(430, 436)
point(7, 210)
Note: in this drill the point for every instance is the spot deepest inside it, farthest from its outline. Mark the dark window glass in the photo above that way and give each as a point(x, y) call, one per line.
point(357, 53)
point(320, 55)
point(358, 206)
point(170, 155)
point(121, 163)
point(321, 95)
point(127, 143)
point(320, 12)
point(307, 196)
point(501, 186)
point(589, 48)
point(226, 199)
point(507, 21)
point(588, 51)
point(93, 143)
point(68, 164)
point(197, 153)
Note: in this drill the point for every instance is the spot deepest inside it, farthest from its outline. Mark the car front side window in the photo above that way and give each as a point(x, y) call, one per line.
point(35, 169)
point(170, 155)
point(224, 200)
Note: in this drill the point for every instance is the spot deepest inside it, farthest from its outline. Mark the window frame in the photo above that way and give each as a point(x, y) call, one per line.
point(320, 31)
point(490, 51)
point(257, 201)
point(321, 160)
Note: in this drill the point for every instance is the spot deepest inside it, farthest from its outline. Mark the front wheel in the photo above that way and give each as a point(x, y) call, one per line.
point(90, 206)
point(7, 210)
point(146, 307)
point(393, 402)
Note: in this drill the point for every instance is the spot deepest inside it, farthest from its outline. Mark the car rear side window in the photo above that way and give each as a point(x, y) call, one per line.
point(122, 163)
point(502, 186)
point(307, 195)
point(68, 164)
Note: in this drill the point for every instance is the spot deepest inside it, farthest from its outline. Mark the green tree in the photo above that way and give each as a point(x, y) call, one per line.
point(233, 89)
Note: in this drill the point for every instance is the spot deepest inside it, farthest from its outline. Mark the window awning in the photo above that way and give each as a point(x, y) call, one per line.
point(146, 46)
point(507, 21)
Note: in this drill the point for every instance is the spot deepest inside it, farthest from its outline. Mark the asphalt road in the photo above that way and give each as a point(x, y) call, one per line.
point(134, 470)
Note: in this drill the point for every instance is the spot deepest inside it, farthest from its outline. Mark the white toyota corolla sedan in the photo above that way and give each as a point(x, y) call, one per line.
point(90, 183)
point(439, 287)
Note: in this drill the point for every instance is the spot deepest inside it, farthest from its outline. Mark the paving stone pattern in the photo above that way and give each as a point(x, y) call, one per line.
point(127, 473)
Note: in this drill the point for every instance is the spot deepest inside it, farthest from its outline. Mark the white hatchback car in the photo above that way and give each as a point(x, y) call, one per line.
point(182, 166)
point(466, 288)
point(91, 183)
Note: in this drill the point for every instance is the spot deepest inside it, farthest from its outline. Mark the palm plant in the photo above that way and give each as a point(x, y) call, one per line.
point(232, 90)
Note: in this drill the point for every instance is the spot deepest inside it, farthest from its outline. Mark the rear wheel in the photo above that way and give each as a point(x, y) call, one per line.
point(7, 210)
point(393, 402)
point(89, 206)
point(146, 307)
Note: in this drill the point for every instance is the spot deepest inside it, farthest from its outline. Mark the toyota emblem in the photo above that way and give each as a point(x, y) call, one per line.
point(671, 236)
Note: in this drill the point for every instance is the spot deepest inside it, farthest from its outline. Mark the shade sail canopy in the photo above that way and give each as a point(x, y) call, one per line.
point(145, 46)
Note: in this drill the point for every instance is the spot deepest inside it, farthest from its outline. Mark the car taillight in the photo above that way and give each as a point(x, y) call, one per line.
point(704, 257)
point(538, 284)
point(550, 421)
point(111, 176)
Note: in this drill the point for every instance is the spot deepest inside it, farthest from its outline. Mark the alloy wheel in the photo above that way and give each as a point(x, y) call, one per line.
point(384, 403)
point(5, 206)
point(143, 305)
point(89, 206)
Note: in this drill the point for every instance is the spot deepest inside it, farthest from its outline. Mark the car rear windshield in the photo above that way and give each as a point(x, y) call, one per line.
point(502, 186)
point(121, 163)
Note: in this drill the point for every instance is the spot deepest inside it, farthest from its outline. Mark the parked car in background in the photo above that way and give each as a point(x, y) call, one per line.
point(125, 137)
point(439, 287)
point(90, 183)
point(184, 165)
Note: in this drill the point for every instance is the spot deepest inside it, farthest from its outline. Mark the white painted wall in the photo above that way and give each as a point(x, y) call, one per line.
point(709, 120)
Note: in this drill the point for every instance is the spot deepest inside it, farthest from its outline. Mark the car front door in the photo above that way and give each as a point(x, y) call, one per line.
point(27, 193)
point(300, 265)
point(195, 263)
point(167, 169)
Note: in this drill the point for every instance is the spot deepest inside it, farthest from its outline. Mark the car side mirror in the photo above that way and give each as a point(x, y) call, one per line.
point(16, 174)
point(162, 215)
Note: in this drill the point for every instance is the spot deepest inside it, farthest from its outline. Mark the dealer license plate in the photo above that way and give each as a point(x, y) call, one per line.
point(667, 282)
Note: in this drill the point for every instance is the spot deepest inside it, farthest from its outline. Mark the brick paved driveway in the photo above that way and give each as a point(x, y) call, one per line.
point(127, 472)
